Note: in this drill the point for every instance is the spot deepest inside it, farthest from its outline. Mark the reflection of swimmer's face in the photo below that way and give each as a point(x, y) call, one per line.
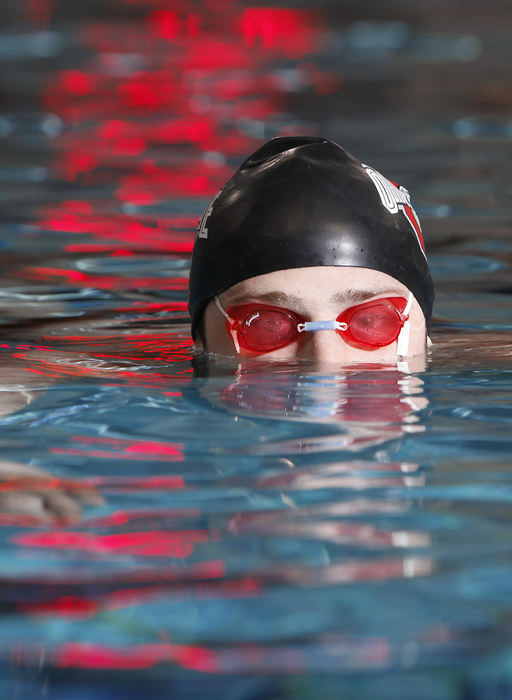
point(316, 294)
point(366, 406)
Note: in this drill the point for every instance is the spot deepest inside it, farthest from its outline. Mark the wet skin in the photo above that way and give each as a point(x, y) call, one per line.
point(317, 294)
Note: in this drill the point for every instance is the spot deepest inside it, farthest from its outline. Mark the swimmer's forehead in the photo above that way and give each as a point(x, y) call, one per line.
point(333, 285)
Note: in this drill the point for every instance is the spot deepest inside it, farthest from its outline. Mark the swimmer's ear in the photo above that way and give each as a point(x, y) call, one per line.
point(199, 341)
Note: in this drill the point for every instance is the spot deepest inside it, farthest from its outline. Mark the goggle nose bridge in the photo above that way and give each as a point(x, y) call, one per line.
point(322, 326)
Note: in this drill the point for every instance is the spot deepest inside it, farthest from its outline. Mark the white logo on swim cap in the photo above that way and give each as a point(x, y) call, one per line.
point(202, 229)
point(396, 198)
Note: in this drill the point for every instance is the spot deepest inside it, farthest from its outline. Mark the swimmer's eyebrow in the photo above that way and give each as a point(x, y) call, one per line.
point(277, 298)
point(357, 296)
point(349, 296)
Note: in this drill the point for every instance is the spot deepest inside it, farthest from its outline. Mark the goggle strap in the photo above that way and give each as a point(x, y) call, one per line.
point(402, 346)
point(221, 309)
point(408, 305)
point(233, 333)
point(234, 338)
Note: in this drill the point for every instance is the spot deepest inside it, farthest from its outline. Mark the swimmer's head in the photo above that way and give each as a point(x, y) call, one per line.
point(305, 202)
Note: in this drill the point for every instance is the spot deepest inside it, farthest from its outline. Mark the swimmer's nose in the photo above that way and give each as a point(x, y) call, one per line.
point(323, 346)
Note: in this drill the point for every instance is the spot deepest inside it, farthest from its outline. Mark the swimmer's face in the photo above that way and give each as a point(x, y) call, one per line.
point(315, 294)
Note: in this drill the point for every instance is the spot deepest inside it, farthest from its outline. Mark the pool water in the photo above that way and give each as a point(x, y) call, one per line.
point(177, 527)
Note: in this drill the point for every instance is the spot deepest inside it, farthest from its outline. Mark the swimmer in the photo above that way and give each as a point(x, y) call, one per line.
point(306, 253)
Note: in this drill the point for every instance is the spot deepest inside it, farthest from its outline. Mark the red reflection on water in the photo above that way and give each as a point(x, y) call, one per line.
point(155, 543)
point(164, 24)
point(74, 607)
point(292, 32)
point(83, 655)
point(132, 449)
point(122, 517)
point(142, 483)
point(172, 235)
point(169, 24)
point(155, 112)
point(140, 92)
point(107, 454)
point(190, 46)
point(151, 183)
point(197, 130)
point(83, 607)
point(40, 11)
point(82, 279)
point(80, 607)
point(76, 82)
point(68, 366)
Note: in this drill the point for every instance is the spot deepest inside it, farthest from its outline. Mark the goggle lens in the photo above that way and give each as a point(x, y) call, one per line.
point(373, 325)
point(264, 328)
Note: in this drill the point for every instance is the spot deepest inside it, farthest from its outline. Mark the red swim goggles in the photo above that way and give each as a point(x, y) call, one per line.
point(263, 328)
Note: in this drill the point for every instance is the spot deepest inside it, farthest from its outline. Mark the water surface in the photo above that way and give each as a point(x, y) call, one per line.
point(179, 528)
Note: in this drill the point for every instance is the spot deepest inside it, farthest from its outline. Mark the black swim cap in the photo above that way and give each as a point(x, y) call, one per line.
point(303, 202)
